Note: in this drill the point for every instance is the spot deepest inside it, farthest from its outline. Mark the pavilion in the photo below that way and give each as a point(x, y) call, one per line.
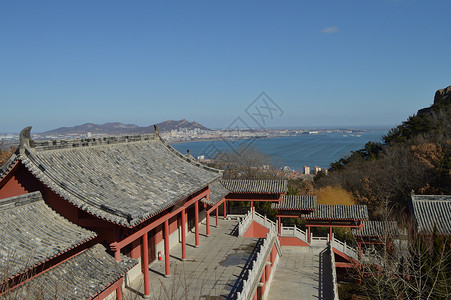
point(431, 211)
point(306, 207)
point(135, 194)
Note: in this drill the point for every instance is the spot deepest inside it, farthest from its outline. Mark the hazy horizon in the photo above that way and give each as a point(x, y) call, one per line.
point(332, 127)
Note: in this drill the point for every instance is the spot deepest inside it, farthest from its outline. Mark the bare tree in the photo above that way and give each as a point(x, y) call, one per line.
point(411, 267)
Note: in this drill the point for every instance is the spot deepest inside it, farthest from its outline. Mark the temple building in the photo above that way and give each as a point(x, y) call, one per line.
point(431, 211)
point(47, 256)
point(119, 202)
point(135, 193)
point(85, 218)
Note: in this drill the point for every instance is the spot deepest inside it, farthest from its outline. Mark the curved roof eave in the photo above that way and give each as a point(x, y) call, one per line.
point(26, 154)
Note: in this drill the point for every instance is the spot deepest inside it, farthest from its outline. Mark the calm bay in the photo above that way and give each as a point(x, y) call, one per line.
point(293, 151)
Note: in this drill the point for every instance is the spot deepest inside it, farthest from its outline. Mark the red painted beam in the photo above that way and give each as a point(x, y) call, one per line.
point(333, 225)
point(252, 199)
point(215, 206)
point(117, 285)
point(288, 216)
point(345, 265)
point(149, 227)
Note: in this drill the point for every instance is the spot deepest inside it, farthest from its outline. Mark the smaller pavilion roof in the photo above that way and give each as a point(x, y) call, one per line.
point(430, 210)
point(81, 277)
point(33, 233)
point(255, 186)
point(217, 193)
point(338, 212)
point(377, 229)
point(296, 202)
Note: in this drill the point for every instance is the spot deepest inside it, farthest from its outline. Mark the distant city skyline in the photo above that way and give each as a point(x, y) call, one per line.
point(325, 64)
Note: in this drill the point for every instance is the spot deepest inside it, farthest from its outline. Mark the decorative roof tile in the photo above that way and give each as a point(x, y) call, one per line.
point(217, 193)
point(32, 233)
point(296, 202)
point(124, 180)
point(377, 229)
point(430, 210)
point(255, 186)
point(338, 212)
point(81, 277)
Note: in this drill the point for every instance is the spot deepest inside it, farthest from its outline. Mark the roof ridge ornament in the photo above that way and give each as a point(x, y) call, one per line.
point(157, 132)
point(25, 138)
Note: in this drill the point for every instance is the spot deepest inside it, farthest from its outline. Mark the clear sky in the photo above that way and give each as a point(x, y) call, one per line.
point(325, 63)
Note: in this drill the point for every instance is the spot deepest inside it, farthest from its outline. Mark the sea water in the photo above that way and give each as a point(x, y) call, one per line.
point(293, 151)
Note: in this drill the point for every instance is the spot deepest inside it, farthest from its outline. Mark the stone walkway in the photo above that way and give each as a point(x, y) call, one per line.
point(302, 273)
point(214, 270)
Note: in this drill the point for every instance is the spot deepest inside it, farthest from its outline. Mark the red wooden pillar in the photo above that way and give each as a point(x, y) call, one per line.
point(145, 264)
point(119, 293)
point(217, 217)
point(135, 252)
point(263, 281)
point(252, 204)
point(330, 233)
point(117, 254)
point(225, 209)
point(268, 270)
point(308, 234)
point(279, 225)
point(271, 256)
point(183, 234)
point(166, 249)
point(208, 224)
point(196, 223)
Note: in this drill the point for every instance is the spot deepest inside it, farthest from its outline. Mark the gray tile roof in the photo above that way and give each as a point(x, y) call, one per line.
point(377, 229)
point(124, 180)
point(81, 277)
point(338, 212)
point(296, 202)
point(432, 210)
point(217, 193)
point(255, 186)
point(32, 233)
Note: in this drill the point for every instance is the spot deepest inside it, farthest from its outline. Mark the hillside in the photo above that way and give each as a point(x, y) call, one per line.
point(117, 128)
point(414, 156)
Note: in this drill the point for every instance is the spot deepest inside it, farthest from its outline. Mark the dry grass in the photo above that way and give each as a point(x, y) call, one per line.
point(334, 195)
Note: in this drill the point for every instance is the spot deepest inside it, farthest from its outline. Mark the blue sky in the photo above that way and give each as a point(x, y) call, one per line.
point(325, 63)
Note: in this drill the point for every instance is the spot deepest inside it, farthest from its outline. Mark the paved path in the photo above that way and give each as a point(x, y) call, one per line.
point(302, 273)
point(214, 270)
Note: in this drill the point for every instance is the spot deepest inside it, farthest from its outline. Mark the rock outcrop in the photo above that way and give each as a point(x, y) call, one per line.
point(443, 96)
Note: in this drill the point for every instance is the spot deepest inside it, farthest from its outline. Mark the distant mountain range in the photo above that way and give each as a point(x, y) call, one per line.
point(117, 128)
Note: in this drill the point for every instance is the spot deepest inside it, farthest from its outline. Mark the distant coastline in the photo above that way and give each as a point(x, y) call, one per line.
point(291, 151)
